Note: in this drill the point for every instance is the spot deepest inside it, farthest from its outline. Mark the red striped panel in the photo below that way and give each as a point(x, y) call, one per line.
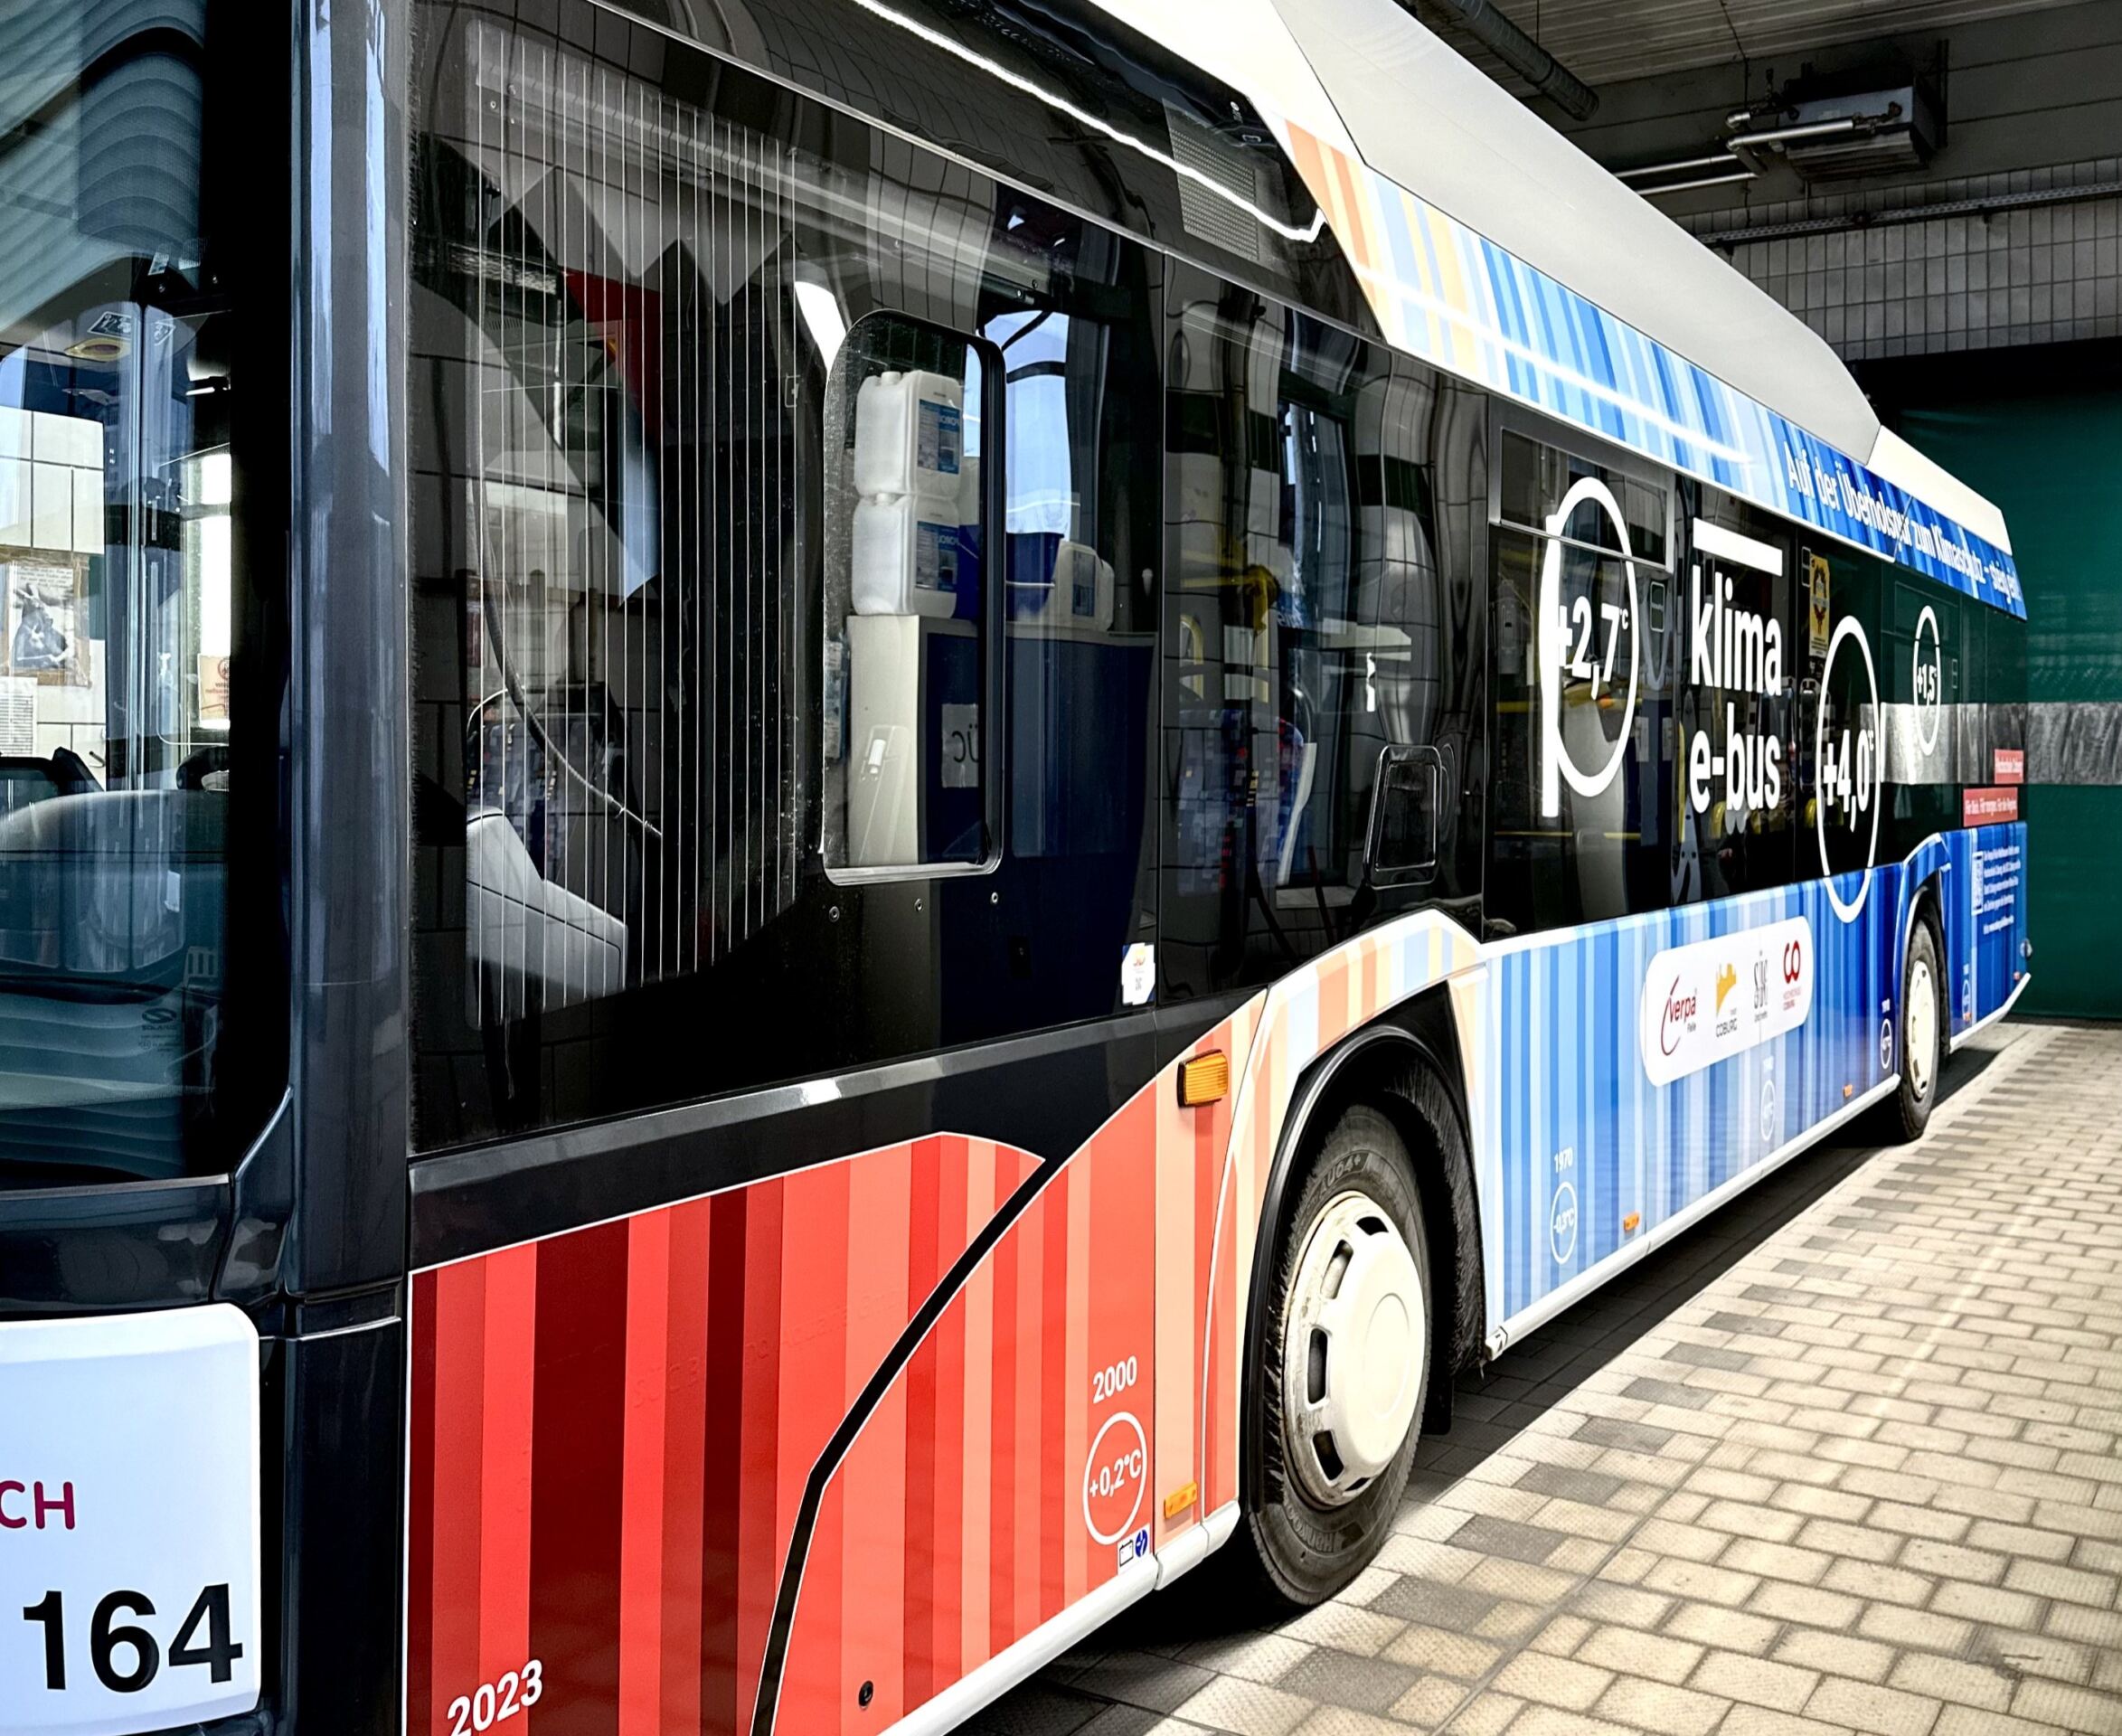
point(687, 1398)
point(613, 1430)
point(761, 1460)
point(419, 1519)
point(1001, 1463)
point(505, 1463)
point(642, 1461)
point(1053, 1441)
point(721, 1478)
point(873, 1523)
point(947, 1447)
point(576, 1489)
point(974, 1436)
point(923, 1268)
point(458, 1323)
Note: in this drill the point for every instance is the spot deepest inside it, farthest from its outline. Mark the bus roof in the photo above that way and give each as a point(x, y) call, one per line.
point(1521, 263)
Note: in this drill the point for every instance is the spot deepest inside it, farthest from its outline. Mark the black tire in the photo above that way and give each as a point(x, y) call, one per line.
point(1902, 1117)
point(1289, 1552)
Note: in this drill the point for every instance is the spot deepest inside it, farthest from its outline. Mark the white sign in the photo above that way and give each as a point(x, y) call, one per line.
point(128, 1522)
point(1712, 1000)
point(18, 714)
point(1137, 974)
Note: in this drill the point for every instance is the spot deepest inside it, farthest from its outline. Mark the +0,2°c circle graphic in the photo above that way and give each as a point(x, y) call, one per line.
point(1111, 1475)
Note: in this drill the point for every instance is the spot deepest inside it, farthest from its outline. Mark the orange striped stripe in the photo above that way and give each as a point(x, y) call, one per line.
point(946, 1536)
point(1054, 1385)
point(975, 1466)
point(874, 1516)
point(1075, 1430)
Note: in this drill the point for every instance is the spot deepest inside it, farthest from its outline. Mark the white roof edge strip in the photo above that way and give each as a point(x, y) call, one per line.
point(1351, 73)
point(1902, 465)
point(1426, 117)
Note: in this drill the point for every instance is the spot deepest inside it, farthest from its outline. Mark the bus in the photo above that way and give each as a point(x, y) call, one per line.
point(828, 825)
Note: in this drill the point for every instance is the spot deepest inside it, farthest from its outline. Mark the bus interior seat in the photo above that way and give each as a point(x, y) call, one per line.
point(521, 930)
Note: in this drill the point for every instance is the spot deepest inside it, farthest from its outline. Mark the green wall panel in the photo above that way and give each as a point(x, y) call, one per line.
point(2051, 458)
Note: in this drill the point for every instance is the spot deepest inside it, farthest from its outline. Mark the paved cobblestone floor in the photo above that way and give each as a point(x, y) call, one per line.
point(1843, 1459)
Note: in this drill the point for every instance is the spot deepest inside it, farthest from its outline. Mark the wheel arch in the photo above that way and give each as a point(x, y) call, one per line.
point(1925, 904)
point(1406, 1064)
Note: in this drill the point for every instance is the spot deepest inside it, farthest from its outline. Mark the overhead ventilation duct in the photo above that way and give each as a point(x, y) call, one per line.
point(1876, 132)
point(1525, 56)
point(1872, 132)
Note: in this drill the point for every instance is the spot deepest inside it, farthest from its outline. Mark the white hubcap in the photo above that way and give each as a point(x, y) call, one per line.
point(1355, 1340)
point(1922, 1037)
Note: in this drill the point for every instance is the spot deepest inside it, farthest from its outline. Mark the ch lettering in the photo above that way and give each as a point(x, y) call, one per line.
point(43, 1507)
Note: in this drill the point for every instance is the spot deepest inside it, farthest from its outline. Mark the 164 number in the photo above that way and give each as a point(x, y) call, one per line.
point(112, 1641)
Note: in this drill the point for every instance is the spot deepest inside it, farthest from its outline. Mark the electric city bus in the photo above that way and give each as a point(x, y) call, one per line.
point(826, 824)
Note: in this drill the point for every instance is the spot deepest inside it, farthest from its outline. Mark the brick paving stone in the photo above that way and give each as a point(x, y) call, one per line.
point(1553, 1681)
point(1660, 1706)
point(1783, 1687)
point(1654, 1656)
point(1864, 1706)
point(1245, 1708)
point(1845, 1458)
point(1813, 1649)
point(1343, 1679)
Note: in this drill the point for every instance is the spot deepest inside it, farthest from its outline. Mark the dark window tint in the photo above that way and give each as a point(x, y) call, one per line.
point(1317, 633)
point(1737, 702)
point(1589, 653)
point(1079, 546)
point(138, 665)
point(724, 540)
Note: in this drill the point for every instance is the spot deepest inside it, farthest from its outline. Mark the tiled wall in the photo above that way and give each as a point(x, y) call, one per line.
point(2030, 275)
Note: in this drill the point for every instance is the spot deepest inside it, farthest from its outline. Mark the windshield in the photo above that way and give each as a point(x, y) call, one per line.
point(130, 643)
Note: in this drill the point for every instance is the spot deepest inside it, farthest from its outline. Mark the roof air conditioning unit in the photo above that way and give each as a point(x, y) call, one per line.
point(1874, 132)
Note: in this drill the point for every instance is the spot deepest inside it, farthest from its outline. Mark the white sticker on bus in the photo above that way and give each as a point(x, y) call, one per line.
point(1712, 1000)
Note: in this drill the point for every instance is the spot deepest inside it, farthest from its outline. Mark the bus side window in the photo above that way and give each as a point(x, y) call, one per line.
point(1306, 638)
point(908, 608)
point(1589, 648)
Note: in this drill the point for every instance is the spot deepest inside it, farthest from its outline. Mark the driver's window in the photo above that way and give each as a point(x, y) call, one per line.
point(124, 336)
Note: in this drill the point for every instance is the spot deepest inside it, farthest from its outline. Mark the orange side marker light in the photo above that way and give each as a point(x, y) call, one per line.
point(1205, 1079)
point(1179, 1500)
point(1630, 1224)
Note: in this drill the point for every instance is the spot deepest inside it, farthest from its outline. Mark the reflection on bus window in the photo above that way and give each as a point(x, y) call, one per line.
point(905, 630)
point(118, 597)
point(1306, 612)
point(624, 327)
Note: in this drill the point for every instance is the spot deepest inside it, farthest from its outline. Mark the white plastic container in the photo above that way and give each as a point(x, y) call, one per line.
point(905, 556)
point(910, 435)
point(1082, 593)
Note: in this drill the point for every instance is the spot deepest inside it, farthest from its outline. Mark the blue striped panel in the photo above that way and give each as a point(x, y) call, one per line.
point(1565, 1075)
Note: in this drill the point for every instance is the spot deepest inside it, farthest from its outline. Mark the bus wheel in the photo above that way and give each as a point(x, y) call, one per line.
point(1907, 1112)
point(1345, 1366)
